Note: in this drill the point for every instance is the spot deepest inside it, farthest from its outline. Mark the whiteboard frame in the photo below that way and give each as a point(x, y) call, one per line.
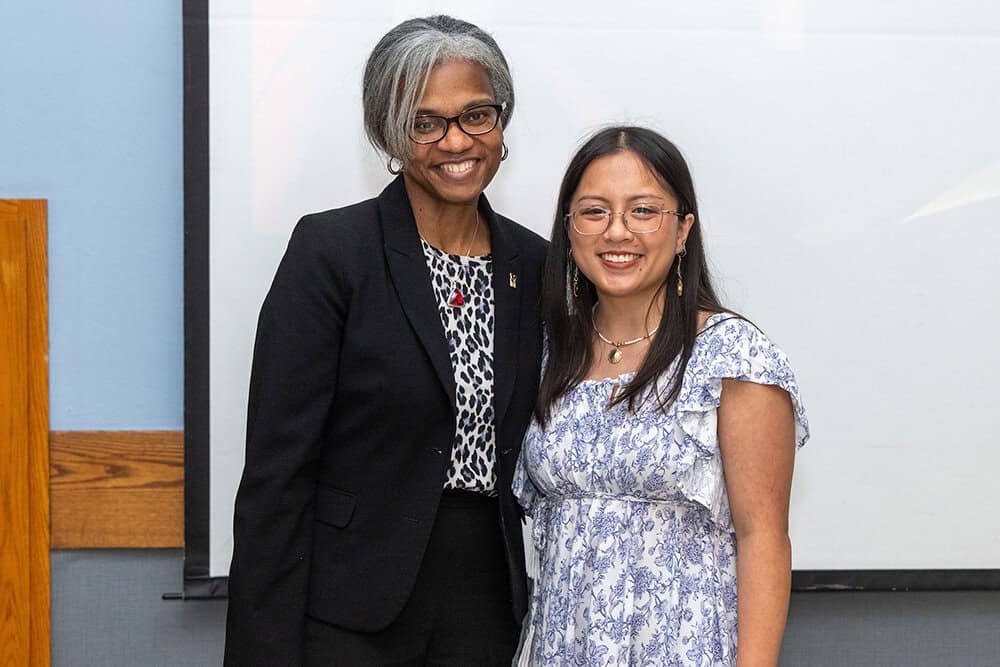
point(198, 583)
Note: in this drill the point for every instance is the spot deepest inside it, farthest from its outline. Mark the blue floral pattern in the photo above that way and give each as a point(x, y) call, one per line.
point(631, 517)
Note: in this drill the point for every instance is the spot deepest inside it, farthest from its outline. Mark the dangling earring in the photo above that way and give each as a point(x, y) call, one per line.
point(680, 279)
point(394, 170)
point(505, 152)
point(570, 301)
point(576, 281)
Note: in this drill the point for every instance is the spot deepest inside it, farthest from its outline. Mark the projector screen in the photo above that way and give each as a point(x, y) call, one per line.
point(847, 161)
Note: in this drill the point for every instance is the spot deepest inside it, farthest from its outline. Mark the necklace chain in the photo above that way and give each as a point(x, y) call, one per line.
point(475, 233)
point(455, 298)
point(472, 242)
point(593, 323)
point(616, 354)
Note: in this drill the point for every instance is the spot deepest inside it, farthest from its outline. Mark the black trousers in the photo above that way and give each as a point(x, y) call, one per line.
point(459, 614)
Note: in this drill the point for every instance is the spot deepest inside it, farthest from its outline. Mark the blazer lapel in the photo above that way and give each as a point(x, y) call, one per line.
point(507, 305)
point(412, 279)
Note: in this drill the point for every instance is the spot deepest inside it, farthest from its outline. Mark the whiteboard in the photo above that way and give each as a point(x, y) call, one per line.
point(847, 160)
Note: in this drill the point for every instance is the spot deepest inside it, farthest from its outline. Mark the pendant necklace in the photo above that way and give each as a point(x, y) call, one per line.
point(615, 355)
point(457, 299)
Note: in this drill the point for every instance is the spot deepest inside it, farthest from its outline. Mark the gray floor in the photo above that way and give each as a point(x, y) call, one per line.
point(942, 629)
point(107, 612)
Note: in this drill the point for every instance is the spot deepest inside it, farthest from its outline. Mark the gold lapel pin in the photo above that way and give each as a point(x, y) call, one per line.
point(513, 281)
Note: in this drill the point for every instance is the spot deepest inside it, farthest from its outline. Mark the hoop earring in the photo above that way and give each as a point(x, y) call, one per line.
point(504, 152)
point(394, 170)
point(680, 278)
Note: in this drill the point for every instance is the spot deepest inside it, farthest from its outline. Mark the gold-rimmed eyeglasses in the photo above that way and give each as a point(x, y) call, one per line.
point(479, 119)
point(639, 219)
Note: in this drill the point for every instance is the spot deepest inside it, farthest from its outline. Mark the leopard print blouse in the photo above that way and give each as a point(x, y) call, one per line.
point(469, 330)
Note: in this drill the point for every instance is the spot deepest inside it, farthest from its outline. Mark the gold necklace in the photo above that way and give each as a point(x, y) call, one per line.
point(615, 355)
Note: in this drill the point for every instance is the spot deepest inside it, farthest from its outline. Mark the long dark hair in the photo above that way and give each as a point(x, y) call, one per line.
point(567, 317)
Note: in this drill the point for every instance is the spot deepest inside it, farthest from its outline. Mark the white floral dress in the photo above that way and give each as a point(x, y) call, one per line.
point(631, 516)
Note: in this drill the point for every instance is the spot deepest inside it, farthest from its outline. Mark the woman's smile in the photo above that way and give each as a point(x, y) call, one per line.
point(619, 260)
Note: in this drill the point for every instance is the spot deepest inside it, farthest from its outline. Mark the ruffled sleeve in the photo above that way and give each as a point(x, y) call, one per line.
point(728, 347)
point(527, 494)
point(535, 505)
point(524, 489)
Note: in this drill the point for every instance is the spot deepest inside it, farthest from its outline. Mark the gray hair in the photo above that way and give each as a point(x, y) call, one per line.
point(394, 79)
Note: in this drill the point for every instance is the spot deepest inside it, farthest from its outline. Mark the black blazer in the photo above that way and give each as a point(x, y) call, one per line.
point(351, 419)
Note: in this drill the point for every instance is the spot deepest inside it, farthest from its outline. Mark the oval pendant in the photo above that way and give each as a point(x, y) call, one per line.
point(615, 355)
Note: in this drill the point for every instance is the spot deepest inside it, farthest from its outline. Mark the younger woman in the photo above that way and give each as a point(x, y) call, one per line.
point(659, 464)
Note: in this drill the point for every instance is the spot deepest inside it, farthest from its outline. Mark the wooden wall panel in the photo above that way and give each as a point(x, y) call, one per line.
point(117, 489)
point(24, 419)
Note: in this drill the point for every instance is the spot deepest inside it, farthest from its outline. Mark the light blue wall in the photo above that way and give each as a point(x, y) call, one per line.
point(91, 119)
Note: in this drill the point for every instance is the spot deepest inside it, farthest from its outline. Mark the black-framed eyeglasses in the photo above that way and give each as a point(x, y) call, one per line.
point(477, 120)
point(593, 220)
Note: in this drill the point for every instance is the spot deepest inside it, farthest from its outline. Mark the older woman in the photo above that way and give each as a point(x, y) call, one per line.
point(395, 371)
point(659, 467)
